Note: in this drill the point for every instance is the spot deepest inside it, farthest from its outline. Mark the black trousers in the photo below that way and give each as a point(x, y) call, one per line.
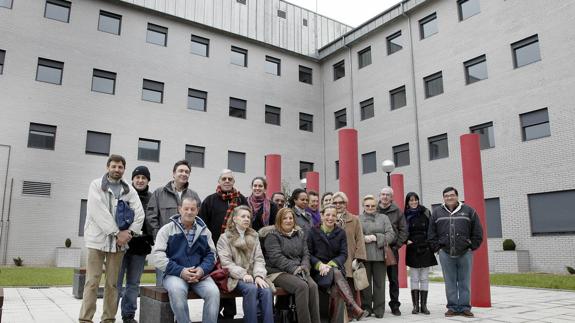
point(392, 276)
point(229, 306)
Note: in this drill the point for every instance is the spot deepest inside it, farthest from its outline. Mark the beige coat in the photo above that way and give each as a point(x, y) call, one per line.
point(241, 256)
point(355, 240)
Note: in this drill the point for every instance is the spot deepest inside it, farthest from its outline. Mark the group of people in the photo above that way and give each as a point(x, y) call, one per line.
point(309, 248)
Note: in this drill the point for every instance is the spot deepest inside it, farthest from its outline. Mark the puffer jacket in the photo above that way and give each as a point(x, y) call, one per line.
point(284, 253)
point(454, 231)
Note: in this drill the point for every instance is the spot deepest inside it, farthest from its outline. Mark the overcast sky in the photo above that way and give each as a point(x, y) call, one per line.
point(350, 12)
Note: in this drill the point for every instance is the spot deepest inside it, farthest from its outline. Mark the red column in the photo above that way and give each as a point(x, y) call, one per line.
point(473, 188)
point(399, 199)
point(312, 181)
point(348, 168)
point(273, 174)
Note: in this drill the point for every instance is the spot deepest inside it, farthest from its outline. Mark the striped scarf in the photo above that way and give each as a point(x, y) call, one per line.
point(257, 203)
point(233, 199)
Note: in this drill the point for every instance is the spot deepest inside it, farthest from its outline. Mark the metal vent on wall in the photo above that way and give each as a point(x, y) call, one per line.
point(36, 188)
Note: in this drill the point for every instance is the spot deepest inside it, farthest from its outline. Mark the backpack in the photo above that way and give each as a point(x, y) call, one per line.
point(124, 215)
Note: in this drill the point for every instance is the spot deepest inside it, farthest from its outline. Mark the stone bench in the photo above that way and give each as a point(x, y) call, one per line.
point(80, 280)
point(155, 303)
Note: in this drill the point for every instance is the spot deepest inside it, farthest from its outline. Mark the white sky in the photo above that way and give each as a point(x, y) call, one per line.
point(350, 12)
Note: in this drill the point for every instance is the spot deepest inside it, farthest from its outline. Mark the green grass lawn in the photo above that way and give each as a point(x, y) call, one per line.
point(538, 280)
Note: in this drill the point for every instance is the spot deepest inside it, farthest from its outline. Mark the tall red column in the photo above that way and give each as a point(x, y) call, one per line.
point(312, 181)
point(474, 197)
point(348, 168)
point(399, 199)
point(273, 173)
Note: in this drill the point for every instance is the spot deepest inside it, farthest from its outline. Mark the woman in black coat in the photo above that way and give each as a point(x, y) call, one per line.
point(419, 256)
point(264, 210)
point(327, 244)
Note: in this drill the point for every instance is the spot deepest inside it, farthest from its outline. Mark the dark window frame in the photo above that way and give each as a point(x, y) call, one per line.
point(460, 12)
point(275, 61)
point(304, 167)
point(158, 30)
point(7, 6)
point(423, 22)
point(364, 57)
point(153, 86)
point(523, 43)
point(433, 140)
point(339, 70)
point(110, 15)
point(276, 112)
point(337, 170)
point(305, 74)
point(108, 136)
point(556, 229)
point(431, 78)
point(205, 42)
point(482, 59)
point(367, 109)
point(393, 94)
point(368, 165)
point(238, 106)
point(46, 131)
point(198, 94)
point(480, 130)
point(305, 122)
point(198, 151)
point(337, 118)
point(532, 123)
point(389, 42)
point(282, 14)
point(401, 150)
point(142, 156)
point(2, 59)
point(58, 3)
point(240, 51)
point(243, 161)
point(97, 73)
point(49, 63)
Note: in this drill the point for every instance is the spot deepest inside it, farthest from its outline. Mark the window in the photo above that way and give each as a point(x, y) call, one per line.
point(83, 209)
point(153, 91)
point(364, 57)
point(56, 9)
point(369, 163)
point(526, 51)
point(157, 35)
point(340, 118)
point(486, 136)
point(197, 100)
point(2, 56)
point(397, 98)
point(394, 43)
point(367, 109)
point(551, 212)
point(239, 56)
point(36, 188)
point(305, 122)
point(42, 136)
point(237, 161)
point(241, 1)
point(338, 70)
point(103, 81)
point(337, 169)
point(110, 22)
point(238, 108)
point(273, 115)
point(475, 69)
point(305, 22)
point(493, 218)
point(200, 46)
point(149, 150)
point(98, 143)
point(281, 14)
point(49, 71)
point(438, 147)
point(433, 84)
point(535, 124)
point(195, 155)
point(467, 8)
point(304, 167)
point(273, 65)
point(428, 26)
point(305, 74)
point(6, 4)
point(401, 155)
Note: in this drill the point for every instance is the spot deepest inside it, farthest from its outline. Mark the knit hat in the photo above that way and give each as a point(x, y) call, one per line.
point(141, 170)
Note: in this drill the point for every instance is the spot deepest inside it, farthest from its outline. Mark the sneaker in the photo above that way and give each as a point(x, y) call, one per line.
point(395, 311)
point(467, 313)
point(450, 313)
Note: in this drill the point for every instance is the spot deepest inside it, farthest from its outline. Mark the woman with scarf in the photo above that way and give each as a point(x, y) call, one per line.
point(264, 211)
point(327, 244)
point(298, 202)
point(240, 252)
point(419, 256)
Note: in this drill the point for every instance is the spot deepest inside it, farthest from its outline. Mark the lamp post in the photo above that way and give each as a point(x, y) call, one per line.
point(388, 166)
point(303, 183)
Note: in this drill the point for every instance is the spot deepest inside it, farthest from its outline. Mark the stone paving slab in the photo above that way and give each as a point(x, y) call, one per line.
point(509, 305)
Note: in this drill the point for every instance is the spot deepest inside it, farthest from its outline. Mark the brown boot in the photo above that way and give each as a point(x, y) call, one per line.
point(348, 295)
point(333, 305)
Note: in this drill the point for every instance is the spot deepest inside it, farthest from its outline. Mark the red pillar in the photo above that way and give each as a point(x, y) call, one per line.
point(273, 173)
point(473, 188)
point(399, 199)
point(348, 168)
point(312, 181)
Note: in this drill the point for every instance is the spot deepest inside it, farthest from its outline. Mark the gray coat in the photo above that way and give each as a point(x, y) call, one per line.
point(285, 253)
point(380, 226)
point(398, 223)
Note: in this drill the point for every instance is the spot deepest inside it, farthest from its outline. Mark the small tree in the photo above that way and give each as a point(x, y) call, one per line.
point(68, 243)
point(508, 245)
point(19, 262)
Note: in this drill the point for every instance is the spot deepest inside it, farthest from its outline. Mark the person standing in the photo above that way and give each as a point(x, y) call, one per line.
point(455, 231)
point(313, 207)
point(264, 211)
point(419, 256)
point(106, 243)
point(387, 207)
point(279, 198)
point(298, 203)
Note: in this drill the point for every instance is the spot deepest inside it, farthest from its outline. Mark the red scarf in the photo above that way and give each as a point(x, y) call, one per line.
point(233, 199)
point(256, 203)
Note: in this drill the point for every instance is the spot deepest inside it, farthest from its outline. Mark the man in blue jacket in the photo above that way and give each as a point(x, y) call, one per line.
point(185, 252)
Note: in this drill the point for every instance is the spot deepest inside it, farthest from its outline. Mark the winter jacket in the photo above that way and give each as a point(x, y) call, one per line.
point(100, 228)
point(376, 224)
point(164, 204)
point(213, 212)
point(171, 253)
point(324, 248)
point(419, 253)
point(285, 253)
point(142, 244)
point(241, 256)
point(397, 222)
point(454, 231)
point(355, 241)
point(303, 219)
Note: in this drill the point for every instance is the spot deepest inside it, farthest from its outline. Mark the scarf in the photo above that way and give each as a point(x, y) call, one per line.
point(411, 213)
point(341, 219)
point(315, 216)
point(232, 198)
point(257, 203)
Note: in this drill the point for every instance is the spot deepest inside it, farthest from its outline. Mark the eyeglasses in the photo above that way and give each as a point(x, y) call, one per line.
point(228, 179)
point(338, 202)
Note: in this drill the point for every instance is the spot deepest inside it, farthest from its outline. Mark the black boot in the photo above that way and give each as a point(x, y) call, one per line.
point(415, 300)
point(423, 295)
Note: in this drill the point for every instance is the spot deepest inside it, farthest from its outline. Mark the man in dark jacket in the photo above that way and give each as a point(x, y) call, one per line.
point(454, 231)
point(139, 246)
point(215, 211)
point(387, 207)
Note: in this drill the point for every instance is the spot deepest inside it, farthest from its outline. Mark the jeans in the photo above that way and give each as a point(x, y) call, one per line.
point(419, 278)
point(392, 276)
point(132, 267)
point(457, 276)
point(159, 277)
point(255, 298)
point(178, 292)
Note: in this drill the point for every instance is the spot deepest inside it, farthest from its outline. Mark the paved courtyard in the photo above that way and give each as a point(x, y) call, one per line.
point(509, 304)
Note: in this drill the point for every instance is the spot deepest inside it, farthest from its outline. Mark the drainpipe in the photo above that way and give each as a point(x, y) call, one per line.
point(4, 195)
point(8, 221)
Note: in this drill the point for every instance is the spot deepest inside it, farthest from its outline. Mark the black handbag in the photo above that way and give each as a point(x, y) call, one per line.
point(285, 310)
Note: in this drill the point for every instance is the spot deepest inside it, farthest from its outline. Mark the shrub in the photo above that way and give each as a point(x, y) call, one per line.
point(68, 243)
point(570, 270)
point(508, 244)
point(19, 262)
